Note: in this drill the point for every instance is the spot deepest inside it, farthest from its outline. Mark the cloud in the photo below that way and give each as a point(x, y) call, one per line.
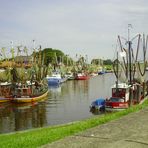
point(84, 26)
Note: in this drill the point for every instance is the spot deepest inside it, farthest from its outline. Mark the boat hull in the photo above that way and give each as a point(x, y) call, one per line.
point(110, 109)
point(82, 77)
point(54, 81)
point(3, 100)
point(30, 99)
point(101, 72)
point(116, 106)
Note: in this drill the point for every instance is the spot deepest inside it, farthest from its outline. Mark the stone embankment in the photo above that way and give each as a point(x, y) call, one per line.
point(130, 131)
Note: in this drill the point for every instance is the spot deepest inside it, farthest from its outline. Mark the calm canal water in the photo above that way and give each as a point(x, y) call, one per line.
point(67, 103)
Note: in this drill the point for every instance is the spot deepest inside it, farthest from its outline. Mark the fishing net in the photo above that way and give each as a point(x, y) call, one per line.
point(5, 76)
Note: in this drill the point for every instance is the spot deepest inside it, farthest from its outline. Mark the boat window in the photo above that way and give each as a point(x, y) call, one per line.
point(116, 100)
point(118, 92)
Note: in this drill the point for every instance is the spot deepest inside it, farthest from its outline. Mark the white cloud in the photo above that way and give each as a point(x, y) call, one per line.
point(89, 27)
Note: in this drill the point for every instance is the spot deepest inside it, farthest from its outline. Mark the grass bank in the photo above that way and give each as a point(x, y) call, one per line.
point(38, 137)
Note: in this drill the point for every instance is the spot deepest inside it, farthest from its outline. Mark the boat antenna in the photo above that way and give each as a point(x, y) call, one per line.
point(34, 45)
point(117, 66)
point(129, 26)
point(12, 50)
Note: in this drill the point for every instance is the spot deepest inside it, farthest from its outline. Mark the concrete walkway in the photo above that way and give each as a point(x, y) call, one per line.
point(130, 131)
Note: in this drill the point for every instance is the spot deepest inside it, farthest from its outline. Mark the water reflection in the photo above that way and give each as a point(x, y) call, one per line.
point(67, 102)
point(30, 116)
point(23, 116)
point(5, 117)
point(96, 111)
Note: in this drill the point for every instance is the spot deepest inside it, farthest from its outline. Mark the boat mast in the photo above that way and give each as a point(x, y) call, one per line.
point(129, 54)
point(117, 71)
point(129, 42)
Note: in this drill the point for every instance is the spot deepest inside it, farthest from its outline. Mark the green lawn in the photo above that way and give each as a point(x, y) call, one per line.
point(37, 137)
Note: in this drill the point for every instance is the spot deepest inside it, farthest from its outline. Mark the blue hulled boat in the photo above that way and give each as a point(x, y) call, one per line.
point(55, 79)
point(98, 104)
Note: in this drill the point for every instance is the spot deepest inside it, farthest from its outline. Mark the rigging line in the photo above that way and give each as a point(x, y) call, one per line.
point(144, 57)
point(138, 44)
point(122, 51)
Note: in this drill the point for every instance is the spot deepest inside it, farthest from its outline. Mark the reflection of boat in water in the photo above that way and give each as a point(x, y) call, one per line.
point(23, 106)
point(5, 105)
point(55, 88)
point(28, 115)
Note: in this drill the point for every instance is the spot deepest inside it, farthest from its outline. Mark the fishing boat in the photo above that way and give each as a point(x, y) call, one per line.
point(69, 76)
point(101, 70)
point(82, 76)
point(26, 97)
point(120, 98)
point(29, 89)
point(29, 83)
point(93, 74)
point(130, 86)
point(55, 78)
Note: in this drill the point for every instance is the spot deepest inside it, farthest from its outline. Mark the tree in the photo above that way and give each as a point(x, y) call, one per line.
point(107, 62)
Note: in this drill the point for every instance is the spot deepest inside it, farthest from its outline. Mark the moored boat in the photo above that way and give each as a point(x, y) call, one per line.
point(101, 72)
point(55, 79)
point(98, 104)
point(69, 76)
point(93, 74)
point(82, 76)
point(119, 99)
point(132, 87)
point(29, 99)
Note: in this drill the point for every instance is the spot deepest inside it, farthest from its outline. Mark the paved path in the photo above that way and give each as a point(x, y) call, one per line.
point(130, 131)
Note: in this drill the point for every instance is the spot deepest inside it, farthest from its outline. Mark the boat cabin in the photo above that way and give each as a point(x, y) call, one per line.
point(121, 91)
point(5, 89)
point(120, 97)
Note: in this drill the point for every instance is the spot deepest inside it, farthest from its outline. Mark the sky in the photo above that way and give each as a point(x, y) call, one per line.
point(82, 27)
